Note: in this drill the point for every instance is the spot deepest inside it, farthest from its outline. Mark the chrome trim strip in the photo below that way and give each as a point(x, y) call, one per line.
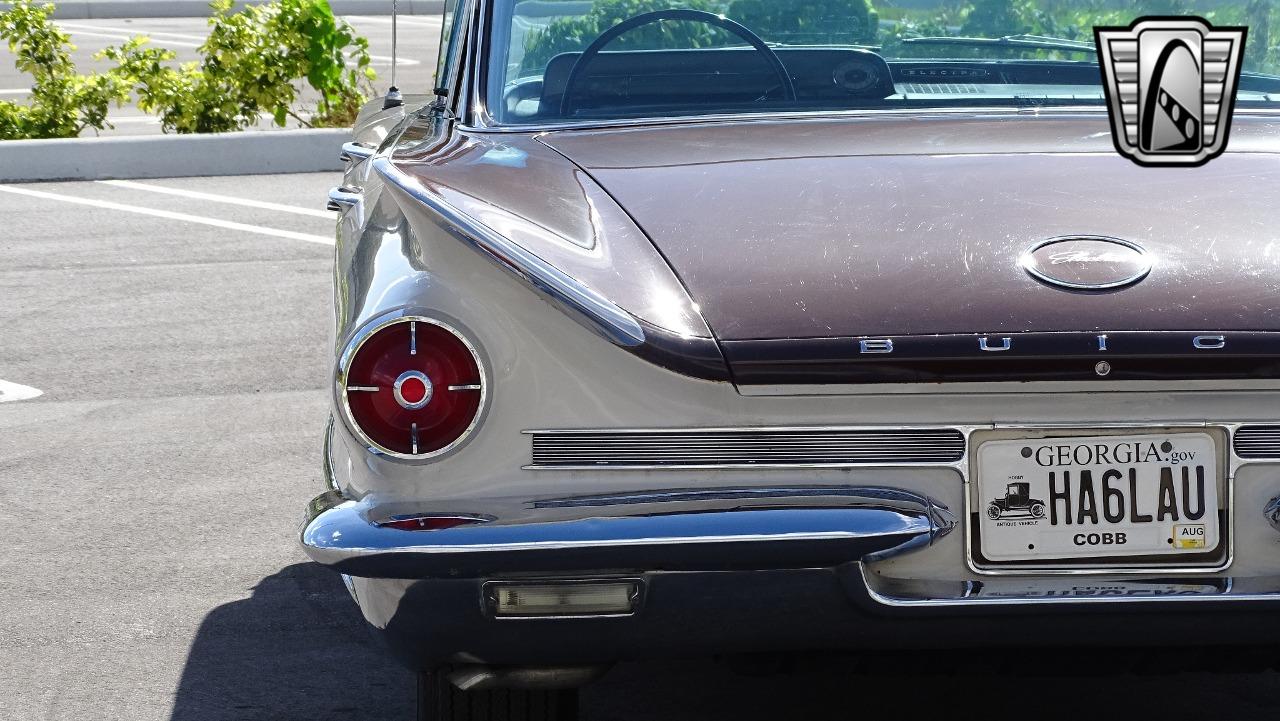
point(756, 428)
point(745, 448)
point(473, 106)
point(486, 123)
point(613, 543)
point(482, 122)
point(326, 461)
point(612, 321)
point(985, 389)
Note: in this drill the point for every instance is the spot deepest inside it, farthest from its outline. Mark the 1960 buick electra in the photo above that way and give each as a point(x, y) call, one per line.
point(693, 328)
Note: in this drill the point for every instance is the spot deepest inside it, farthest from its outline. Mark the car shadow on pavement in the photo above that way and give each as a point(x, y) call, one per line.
point(296, 649)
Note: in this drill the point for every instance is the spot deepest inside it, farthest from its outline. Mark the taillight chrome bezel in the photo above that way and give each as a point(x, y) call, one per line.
point(353, 349)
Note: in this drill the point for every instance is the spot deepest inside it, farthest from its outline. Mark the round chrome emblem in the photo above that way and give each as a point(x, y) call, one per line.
point(1087, 262)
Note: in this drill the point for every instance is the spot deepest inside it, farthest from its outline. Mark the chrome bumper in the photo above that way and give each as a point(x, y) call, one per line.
point(693, 530)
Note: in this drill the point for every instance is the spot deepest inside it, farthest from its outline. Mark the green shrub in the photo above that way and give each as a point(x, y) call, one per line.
point(809, 22)
point(63, 103)
point(253, 63)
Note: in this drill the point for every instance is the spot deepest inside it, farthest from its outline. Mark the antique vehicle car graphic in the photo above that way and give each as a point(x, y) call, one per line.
point(1016, 499)
point(704, 328)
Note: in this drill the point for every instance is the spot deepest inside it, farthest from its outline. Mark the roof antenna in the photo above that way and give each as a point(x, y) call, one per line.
point(394, 99)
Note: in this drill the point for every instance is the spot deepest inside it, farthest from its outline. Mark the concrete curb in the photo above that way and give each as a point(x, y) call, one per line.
point(103, 9)
point(172, 156)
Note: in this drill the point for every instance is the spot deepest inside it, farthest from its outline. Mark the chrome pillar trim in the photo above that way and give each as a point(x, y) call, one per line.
point(601, 314)
point(1272, 512)
point(1099, 589)
point(693, 529)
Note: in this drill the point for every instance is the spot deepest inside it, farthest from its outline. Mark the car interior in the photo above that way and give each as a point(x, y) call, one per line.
point(746, 73)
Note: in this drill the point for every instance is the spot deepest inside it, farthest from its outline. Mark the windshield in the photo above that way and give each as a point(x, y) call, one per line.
point(575, 60)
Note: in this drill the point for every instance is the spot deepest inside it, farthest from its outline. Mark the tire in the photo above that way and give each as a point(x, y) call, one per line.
point(440, 700)
point(993, 512)
point(1037, 510)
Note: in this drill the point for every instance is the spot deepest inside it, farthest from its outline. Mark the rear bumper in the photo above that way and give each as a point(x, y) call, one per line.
point(704, 529)
point(740, 570)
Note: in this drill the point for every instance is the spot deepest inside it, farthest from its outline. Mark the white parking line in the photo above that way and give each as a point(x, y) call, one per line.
point(14, 392)
point(199, 219)
point(215, 198)
point(386, 60)
point(15, 91)
point(127, 36)
point(419, 21)
point(134, 28)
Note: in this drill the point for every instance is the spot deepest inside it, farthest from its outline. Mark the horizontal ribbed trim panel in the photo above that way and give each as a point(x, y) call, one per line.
point(745, 447)
point(1257, 441)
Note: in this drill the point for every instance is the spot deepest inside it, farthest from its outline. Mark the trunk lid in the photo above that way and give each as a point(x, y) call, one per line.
point(899, 227)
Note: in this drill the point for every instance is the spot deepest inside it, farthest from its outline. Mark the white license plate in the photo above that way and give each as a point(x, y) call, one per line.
point(1103, 497)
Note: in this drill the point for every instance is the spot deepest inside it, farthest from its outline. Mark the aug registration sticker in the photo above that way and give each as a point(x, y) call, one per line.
point(1097, 496)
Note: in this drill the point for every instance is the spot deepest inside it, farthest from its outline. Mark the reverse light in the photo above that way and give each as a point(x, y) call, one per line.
point(413, 388)
point(565, 598)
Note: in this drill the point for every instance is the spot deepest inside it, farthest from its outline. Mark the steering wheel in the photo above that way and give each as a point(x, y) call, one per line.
point(702, 16)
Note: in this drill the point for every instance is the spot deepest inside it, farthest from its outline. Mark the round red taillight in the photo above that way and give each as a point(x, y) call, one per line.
point(413, 388)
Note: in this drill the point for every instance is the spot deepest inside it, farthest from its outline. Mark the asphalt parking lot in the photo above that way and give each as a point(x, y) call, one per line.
point(176, 332)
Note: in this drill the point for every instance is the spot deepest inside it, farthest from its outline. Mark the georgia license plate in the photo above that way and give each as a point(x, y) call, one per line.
point(1082, 497)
